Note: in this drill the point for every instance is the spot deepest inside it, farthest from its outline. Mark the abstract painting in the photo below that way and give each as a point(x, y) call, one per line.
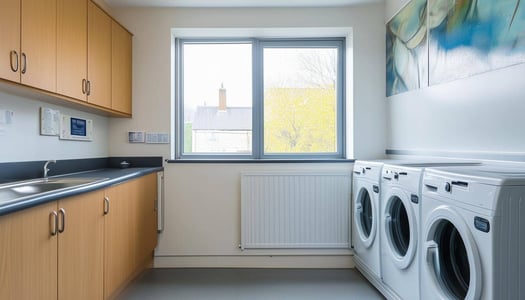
point(468, 37)
point(406, 49)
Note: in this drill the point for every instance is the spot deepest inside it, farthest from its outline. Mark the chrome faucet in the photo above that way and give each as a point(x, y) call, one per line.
point(45, 166)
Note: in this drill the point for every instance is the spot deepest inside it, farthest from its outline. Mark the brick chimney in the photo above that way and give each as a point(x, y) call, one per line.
point(222, 98)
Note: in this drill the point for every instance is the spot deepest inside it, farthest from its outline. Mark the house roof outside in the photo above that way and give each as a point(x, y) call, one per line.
point(233, 118)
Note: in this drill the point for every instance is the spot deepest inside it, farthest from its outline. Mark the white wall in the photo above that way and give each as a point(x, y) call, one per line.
point(483, 113)
point(152, 66)
point(392, 7)
point(104, 5)
point(203, 200)
point(21, 140)
point(202, 220)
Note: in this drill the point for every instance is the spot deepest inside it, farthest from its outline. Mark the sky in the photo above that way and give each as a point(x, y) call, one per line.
point(208, 66)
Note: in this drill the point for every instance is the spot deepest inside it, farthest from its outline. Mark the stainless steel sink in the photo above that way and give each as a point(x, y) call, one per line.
point(24, 189)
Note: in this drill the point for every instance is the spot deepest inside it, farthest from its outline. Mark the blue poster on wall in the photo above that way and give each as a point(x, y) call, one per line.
point(469, 37)
point(406, 49)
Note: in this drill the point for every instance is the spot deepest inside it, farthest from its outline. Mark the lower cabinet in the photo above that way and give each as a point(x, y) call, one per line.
point(28, 254)
point(130, 231)
point(83, 247)
point(54, 251)
point(146, 216)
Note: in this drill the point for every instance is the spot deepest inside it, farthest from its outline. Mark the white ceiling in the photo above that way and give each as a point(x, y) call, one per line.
point(237, 3)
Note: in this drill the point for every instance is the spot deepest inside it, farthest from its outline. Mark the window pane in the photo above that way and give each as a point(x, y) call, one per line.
point(300, 100)
point(217, 93)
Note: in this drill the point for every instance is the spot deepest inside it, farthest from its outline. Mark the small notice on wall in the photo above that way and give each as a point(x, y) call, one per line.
point(49, 121)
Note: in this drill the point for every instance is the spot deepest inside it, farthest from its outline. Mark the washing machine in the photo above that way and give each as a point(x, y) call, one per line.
point(473, 240)
point(400, 209)
point(365, 219)
point(366, 212)
point(399, 230)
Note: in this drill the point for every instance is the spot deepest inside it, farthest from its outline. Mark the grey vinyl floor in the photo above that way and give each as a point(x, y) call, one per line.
point(252, 284)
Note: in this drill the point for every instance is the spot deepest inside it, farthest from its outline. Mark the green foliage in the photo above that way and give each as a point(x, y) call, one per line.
point(188, 138)
point(300, 120)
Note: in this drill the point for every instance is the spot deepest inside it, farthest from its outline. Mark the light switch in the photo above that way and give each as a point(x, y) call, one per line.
point(6, 116)
point(157, 138)
point(136, 136)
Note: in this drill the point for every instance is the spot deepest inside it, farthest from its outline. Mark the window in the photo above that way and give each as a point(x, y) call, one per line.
point(260, 98)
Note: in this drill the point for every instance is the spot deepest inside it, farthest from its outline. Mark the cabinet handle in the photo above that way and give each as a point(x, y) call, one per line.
point(84, 86)
point(106, 205)
point(88, 88)
point(62, 213)
point(24, 63)
point(14, 53)
point(53, 222)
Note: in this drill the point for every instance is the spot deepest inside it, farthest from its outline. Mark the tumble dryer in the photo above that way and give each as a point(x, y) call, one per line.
point(473, 233)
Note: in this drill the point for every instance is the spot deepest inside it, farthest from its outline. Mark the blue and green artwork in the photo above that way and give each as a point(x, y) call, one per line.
point(468, 37)
point(406, 49)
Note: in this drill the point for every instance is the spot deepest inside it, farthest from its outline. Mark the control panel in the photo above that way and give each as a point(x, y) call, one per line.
point(74, 128)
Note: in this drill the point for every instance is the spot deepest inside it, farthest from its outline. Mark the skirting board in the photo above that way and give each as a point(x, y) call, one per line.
point(310, 262)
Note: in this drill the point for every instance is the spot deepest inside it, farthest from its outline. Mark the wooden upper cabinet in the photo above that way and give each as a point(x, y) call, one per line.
point(28, 254)
point(72, 48)
point(99, 56)
point(121, 69)
point(84, 52)
point(39, 46)
point(10, 40)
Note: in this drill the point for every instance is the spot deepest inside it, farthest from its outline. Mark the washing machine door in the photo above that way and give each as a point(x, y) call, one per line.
point(399, 219)
point(365, 216)
point(450, 255)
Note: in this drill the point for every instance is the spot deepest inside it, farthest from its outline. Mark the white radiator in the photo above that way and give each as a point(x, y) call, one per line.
point(295, 210)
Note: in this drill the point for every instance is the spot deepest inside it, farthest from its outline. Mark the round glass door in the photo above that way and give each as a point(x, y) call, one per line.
point(364, 216)
point(398, 226)
point(400, 230)
point(452, 256)
point(454, 271)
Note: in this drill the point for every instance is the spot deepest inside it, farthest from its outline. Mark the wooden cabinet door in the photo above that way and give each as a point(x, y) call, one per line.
point(38, 44)
point(72, 48)
point(10, 40)
point(28, 254)
point(99, 56)
point(130, 231)
point(119, 237)
point(121, 69)
point(146, 190)
point(81, 247)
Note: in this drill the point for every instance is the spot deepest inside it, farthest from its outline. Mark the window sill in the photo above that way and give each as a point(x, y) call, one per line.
point(257, 161)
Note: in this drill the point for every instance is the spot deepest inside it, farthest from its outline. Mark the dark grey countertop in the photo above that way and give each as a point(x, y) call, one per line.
point(111, 177)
